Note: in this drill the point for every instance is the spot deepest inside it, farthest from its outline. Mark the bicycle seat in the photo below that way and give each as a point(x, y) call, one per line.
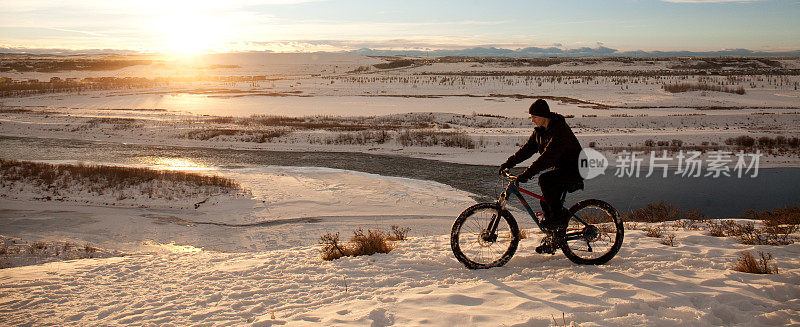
point(575, 186)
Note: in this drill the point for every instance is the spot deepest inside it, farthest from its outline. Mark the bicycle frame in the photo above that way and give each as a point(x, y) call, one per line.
point(513, 188)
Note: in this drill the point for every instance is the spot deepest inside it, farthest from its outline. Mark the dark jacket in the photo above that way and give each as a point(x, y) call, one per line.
point(558, 146)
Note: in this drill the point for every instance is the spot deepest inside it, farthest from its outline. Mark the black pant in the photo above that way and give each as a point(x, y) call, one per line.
point(553, 184)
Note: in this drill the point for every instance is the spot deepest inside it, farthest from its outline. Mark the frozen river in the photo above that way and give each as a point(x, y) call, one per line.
point(720, 197)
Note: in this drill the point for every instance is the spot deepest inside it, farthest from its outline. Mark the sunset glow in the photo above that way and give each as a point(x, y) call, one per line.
point(185, 34)
point(186, 28)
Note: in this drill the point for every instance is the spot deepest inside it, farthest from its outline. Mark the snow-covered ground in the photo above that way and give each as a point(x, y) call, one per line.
point(419, 283)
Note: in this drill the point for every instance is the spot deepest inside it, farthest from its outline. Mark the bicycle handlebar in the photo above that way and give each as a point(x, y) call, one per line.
point(509, 176)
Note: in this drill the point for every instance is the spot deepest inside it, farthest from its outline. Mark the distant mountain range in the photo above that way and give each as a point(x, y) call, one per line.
point(585, 52)
point(530, 52)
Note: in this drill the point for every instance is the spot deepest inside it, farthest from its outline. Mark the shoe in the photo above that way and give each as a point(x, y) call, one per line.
point(547, 226)
point(547, 246)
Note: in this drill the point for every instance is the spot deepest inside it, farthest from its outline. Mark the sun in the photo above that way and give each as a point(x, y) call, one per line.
point(189, 34)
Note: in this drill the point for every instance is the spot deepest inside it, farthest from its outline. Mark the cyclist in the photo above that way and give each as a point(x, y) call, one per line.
point(559, 149)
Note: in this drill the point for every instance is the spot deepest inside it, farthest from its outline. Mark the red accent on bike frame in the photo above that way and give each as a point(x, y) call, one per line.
point(531, 194)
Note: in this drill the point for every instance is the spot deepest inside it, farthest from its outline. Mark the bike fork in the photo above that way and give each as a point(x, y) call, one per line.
point(495, 221)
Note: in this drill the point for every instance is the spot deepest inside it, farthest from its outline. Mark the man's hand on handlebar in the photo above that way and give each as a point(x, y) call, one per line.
point(521, 178)
point(504, 167)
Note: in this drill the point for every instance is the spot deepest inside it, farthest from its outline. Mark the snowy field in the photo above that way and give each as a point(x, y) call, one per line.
point(252, 258)
point(420, 283)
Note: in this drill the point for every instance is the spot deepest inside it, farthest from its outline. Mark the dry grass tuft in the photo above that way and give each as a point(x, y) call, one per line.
point(369, 243)
point(653, 232)
point(361, 243)
point(57, 179)
point(749, 264)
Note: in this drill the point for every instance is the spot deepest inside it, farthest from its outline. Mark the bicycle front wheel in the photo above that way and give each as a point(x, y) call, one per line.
point(597, 238)
point(476, 245)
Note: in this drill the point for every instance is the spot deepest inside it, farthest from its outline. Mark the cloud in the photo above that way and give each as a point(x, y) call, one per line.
point(78, 32)
point(582, 52)
point(333, 46)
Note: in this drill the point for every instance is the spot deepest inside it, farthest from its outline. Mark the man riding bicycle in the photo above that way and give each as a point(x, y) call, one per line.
point(559, 149)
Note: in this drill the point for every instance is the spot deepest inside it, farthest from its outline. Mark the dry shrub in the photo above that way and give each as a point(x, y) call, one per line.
point(748, 233)
point(362, 243)
point(4, 249)
point(332, 247)
point(255, 136)
point(117, 123)
point(394, 64)
point(715, 228)
point(686, 87)
point(779, 223)
point(653, 231)
point(37, 248)
point(631, 225)
point(742, 141)
point(749, 264)
point(457, 139)
point(357, 138)
point(668, 239)
point(523, 234)
point(654, 212)
point(695, 215)
point(693, 220)
point(399, 233)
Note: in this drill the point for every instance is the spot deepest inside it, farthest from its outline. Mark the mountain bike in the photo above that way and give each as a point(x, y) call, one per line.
point(486, 235)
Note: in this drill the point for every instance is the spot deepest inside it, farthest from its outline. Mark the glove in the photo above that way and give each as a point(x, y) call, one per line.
point(504, 166)
point(526, 176)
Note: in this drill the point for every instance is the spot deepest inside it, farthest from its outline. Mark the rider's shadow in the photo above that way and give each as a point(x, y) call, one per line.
point(503, 286)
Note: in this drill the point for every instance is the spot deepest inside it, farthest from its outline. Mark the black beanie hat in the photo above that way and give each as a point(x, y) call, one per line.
point(540, 108)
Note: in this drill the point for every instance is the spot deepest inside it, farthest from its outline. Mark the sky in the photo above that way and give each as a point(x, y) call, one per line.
point(200, 26)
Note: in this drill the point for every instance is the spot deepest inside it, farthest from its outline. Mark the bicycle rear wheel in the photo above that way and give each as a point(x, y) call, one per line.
point(597, 241)
point(475, 246)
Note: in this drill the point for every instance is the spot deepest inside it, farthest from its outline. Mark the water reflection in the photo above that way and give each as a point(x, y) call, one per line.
point(178, 164)
point(170, 247)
